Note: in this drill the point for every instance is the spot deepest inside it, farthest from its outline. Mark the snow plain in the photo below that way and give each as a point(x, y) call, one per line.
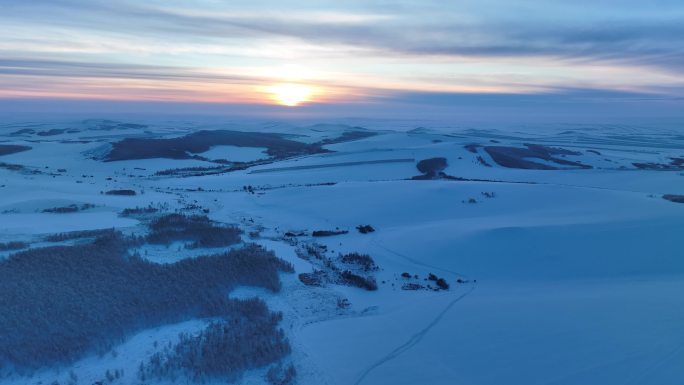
point(570, 276)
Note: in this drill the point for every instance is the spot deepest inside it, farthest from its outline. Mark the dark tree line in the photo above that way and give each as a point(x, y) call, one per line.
point(138, 211)
point(13, 245)
point(68, 209)
point(196, 228)
point(6, 149)
point(197, 142)
point(124, 192)
point(352, 279)
point(61, 237)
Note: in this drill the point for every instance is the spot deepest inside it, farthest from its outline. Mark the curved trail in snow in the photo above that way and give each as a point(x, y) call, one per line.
point(375, 242)
point(413, 341)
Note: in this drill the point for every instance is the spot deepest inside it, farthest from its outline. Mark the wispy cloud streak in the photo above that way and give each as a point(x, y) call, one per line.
point(400, 45)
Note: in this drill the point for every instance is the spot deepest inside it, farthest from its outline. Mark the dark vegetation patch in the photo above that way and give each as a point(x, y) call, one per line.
point(6, 149)
point(20, 168)
point(62, 302)
point(440, 282)
point(191, 171)
point(365, 229)
point(353, 269)
point(281, 375)
point(412, 286)
point(198, 229)
point(136, 211)
point(247, 339)
point(110, 125)
point(52, 132)
point(364, 282)
point(364, 261)
point(330, 165)
point(328, 233)
point(213, 170)
point(482, 161)
point(676, 164)
point(73, 208)
point(315, 278)
point(349, 136)
point(23, 131)
point(12, 166)
point(411, 282)
point(13, 245)
point(201, 141)
point(472, 147)
point(432, 166)
point(82, 234)
point(674, 198)
point(124, 192)
point(518, 157)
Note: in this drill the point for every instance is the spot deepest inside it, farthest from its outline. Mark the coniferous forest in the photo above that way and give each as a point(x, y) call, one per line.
point(62, 302)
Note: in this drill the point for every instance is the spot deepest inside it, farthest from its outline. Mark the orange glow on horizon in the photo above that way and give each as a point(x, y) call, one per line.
point(291, 94)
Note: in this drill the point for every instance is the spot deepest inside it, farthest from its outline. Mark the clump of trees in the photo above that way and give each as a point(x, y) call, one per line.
point(247, 339)
point(13, 167)
point(352, 279)
point(412, 286)
point(315, 278)
point(124, 192)
point(68, 209)
point(363, 261)
point(314, 250)
point(61, 237)
point(277, 146)
point(61, 302)
point(129, 212)
point(199, 170)
point(6, 149)
point(432, 166)
point(196, 228)
point(440, 282)
point(352, 269)
point(674, 198)
point(328, 233)
point(365, 229)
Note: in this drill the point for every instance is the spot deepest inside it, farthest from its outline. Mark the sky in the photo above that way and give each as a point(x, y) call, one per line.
point(382, 58)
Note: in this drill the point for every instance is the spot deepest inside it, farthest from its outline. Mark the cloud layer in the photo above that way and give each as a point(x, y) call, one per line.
point(352, 51)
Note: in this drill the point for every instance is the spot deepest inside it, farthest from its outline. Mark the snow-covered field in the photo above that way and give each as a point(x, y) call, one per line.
point(568, 276)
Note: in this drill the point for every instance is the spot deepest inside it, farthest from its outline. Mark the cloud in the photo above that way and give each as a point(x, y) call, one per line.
point(551, 96)
point(59, 68)
point(606, 37)
point(558, 44)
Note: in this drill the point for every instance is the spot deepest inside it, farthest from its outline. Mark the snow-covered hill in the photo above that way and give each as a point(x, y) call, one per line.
point(566, 275)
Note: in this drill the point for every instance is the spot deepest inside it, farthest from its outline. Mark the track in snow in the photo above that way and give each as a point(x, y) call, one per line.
point(413, 341)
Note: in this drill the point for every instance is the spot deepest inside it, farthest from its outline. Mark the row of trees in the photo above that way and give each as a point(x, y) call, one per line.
point(196, 228)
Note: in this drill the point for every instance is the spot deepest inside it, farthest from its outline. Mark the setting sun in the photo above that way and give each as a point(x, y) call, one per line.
point(291, 94)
